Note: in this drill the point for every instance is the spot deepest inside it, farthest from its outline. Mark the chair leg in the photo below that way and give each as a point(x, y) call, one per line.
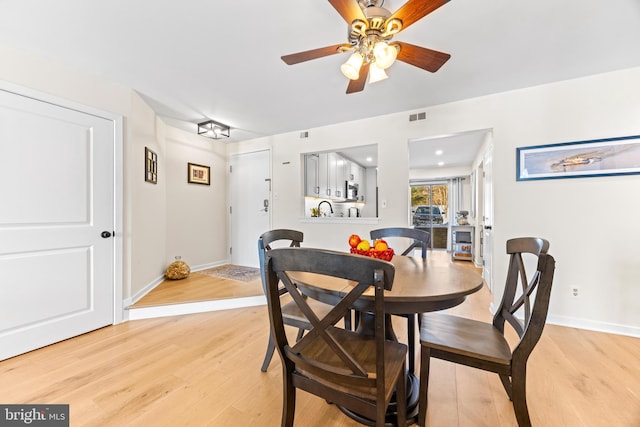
point(288, 397)
point(347, 321)
point(506, 383)
point(267, 357)
point(411, 341)
point(300, 334)
point(425, 359)
point(401, 398)
point(519, 392)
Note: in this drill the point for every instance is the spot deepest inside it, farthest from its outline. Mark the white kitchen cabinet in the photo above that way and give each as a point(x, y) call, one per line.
point(326, 175)
point(332, 161)
point(341, 164)
point(311, 169)
point(323, 177)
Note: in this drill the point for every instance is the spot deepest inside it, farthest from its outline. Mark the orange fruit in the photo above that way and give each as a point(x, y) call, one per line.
point(354, 239)
point(380, 245)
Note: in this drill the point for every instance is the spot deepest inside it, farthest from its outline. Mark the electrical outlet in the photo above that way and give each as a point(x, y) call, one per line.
point(575, 292)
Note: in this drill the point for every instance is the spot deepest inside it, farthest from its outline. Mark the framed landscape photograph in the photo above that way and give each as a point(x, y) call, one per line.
point(599, 157)
point(150, 166)
point(198, 174)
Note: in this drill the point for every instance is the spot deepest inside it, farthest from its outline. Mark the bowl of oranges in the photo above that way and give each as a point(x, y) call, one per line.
point(378, 249)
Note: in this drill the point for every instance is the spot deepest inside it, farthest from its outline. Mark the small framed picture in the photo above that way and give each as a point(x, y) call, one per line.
point(150, 166)
point(198, 174)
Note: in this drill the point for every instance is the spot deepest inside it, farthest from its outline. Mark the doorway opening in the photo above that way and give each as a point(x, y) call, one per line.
point(429, 211)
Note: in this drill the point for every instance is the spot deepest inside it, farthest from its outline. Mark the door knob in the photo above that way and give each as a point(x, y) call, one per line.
point(105, 234)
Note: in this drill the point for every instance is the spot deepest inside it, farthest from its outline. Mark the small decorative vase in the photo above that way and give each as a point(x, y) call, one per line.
point(177, 270)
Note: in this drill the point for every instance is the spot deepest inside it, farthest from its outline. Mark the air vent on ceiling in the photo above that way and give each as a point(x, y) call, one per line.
point(304, 134)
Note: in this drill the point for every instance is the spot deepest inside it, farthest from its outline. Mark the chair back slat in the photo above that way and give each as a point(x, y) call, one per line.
point(532, 295)
point(537, 320)
point(421, 238)
point(363, 273)
point(267, 238)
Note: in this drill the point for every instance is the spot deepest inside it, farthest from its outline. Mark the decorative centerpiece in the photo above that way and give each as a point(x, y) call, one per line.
point(177, 270)
point(379, 249)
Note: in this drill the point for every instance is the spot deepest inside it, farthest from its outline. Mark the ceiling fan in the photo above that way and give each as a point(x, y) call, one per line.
point(371, 27)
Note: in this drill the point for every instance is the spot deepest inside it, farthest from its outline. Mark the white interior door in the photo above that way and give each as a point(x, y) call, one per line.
point(250, 196)
point(56, 198)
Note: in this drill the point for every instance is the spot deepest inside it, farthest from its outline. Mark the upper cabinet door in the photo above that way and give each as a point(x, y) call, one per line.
point(311, 166)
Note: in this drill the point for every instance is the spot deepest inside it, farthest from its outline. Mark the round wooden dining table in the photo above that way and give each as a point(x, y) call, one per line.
point(420, 285)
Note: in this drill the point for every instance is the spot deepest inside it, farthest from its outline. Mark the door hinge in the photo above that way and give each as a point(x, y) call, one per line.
point(230, 168)
point(230, 210)
point(230, 251)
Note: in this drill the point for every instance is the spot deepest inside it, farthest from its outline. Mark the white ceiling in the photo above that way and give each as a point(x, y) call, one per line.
point(448, 151)
point(220, 59)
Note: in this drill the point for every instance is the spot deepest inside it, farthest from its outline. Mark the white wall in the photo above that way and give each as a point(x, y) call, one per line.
point(196, 227)
point(596, 249)
point(162, 220)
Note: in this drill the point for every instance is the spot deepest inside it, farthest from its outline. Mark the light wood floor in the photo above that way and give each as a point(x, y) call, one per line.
point(204, 370)
point(199, 287)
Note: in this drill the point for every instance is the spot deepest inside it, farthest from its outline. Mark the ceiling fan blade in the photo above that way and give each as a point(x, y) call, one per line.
point(427, 59)
point(307, 55)
point(414, 10)
point(358, 85)
point(349, 10)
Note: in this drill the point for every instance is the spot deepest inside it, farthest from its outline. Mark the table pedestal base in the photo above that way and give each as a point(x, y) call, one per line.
point(392, 410)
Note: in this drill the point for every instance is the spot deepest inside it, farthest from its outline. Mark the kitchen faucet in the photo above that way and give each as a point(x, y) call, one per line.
point(325, 201)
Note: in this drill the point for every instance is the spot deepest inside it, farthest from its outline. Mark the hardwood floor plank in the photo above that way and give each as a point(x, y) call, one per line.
point(204, 370)
point(199, 287)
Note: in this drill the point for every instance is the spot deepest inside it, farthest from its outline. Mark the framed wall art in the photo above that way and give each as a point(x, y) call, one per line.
point(150, 166)
point(198, 174)
point(598, 157)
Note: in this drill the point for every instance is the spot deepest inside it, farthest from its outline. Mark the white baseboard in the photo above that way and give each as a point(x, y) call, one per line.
point(201, 267)
point(589, 325)
point(194, 307)
point(142, 292)
point(593, 325)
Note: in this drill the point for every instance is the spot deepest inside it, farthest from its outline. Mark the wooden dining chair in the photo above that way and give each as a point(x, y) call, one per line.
point(355, 371)
point(291, 314)
point(483, 345)
point(418, 239)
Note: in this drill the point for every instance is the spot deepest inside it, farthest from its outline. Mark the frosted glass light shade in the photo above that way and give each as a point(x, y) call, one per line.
point(351, 68)
point(376, 73)
point(385, 55)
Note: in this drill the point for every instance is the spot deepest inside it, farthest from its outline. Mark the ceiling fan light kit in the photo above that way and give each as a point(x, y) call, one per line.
point(376, 73)
point(371, 27)
point(214, 130)
point(351, 68)
point(385, 54)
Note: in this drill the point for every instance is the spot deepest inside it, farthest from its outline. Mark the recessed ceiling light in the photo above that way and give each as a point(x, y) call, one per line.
point(369, 159)
point(440, 163)
point(439, 152)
